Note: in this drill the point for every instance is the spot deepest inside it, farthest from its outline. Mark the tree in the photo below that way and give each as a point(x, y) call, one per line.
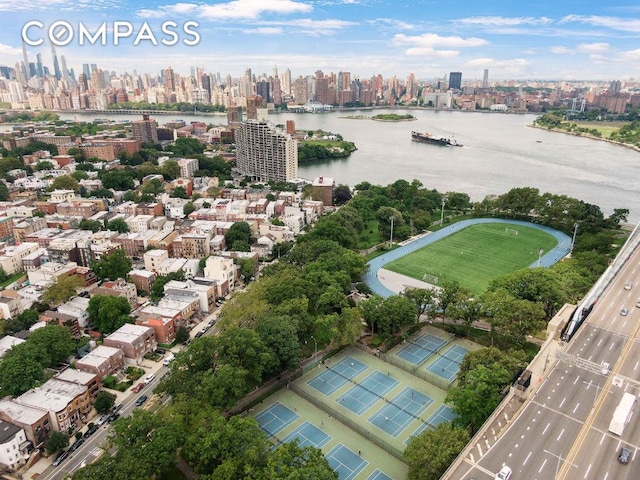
point(93, 225)
point(65, 182)
point(238, 231)
point(104, 401)
point(248, 266)
point(450, 293)
point(19, 373)
point(108, 313)
point(280, 335)
point(188, 208)
point(157, 289)
point(240, 246)
point(430, 453)
point(54, 343)
point(44, 165)
point(22, 321)
point(118, 225)
point(341, 194)
point(118, 180)
point(63, 289)
point(4, 192)
point(512, 362)
point(182, 334)
point(112, 266)
point(56, 442)
point(293, 462)
point(153, 187)
point(179, 192)
point(170, 170)
point(423, 298)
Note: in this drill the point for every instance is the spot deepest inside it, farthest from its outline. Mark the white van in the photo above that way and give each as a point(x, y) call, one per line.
point(168, 360)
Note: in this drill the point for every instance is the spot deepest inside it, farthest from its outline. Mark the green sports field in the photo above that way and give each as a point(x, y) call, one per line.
point(476, 255)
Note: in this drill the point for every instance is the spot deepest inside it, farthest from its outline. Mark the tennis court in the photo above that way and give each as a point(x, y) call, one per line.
point(378, 475)
point(275, 418)
point(442, 414)
point(448, 364)
point(347, 463)
point(421, 348)
point(368, 392)
point(308, 435)
point(399, 412)
point(338, 375)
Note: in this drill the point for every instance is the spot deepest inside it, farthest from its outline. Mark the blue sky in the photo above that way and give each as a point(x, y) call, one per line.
point(535, 39)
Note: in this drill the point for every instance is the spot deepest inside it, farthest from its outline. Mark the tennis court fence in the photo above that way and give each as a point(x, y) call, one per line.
point(415, 370)
point(345, 420)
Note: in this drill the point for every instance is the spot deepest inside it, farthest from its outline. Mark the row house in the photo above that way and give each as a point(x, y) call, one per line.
point(258, 206)
point(164, 321)
point(14, 448)
point(190, 267)
point(34, 260)
point(68, 403)
point(102, 361)
point(134, 340)
point(143, 279)
point(154, 258)
point(234, 193)
point(224, 271)
point(26, 226)
point(87, 379)
point(135, 244)
point(10, 304)
point(139, 223)
point(183, 301)
point(154, 209)
point(6, 227)
point(77, 307)
point(44, 236)
point(57, 318)
point(8, 342)
point(62, 222)
point(205, 291)
point(11, 256)
point(118, 288)
point(77, 209)
point(35, 421)
point(195, 245)
point(20, 211)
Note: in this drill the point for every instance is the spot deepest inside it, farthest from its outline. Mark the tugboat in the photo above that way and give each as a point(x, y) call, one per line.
point(428, 138)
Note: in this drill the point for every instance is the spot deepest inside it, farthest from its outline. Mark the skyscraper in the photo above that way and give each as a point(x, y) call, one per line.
point(264, 154)
point(455, 80)
point(254, 102)
point(39, 67)
point(65, 72)
point(26, 61)
point(86, 71)
point(169, 81)
point(485, 79)
point(56, 67)
point(145, 130)
point(286, 82)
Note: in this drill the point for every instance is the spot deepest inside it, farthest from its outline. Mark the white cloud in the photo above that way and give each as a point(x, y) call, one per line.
point(58, 5)
point(430, 52)
point(391, 23)
point(9, 50)
point(593, 47)
point(562, 50)
point(252, 9)
point(265, 31)
point(434, 40)
point(491, 21)
point(491, 63)
point(167, 10)
point(615, 23)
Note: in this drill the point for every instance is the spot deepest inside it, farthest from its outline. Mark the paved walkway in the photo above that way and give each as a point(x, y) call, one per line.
point(372, 278)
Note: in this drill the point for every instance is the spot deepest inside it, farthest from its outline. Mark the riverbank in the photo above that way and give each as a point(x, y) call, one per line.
point(587, 135)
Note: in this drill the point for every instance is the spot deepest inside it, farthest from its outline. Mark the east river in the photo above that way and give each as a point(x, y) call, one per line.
point(500, 152)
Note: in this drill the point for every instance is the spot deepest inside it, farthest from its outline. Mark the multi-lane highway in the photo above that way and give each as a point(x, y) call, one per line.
point(562, 431)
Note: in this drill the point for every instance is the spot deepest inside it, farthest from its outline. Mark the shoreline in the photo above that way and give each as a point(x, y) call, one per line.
point(586, 135)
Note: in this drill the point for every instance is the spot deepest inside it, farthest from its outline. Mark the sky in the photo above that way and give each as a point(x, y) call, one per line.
point(534, 39)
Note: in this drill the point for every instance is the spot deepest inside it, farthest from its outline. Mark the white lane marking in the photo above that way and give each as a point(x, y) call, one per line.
point(545, 428)
point(542, 466)
point(587, 472)
point(636, 367)
point(600, 342)
point(602, 439)
point(562, 402)
point(576, 407)
point(576, 380)
point(612, 345)
point(559, 436)
point(525, 460)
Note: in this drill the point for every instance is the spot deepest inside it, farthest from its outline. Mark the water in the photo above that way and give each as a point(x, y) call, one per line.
point(500, 152)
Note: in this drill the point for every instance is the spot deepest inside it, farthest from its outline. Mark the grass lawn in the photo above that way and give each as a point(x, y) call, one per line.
point(605, 130)
point(476, 255)
point(370, 235)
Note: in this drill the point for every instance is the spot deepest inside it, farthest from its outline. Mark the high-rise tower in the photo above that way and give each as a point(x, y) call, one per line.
point(56, 67)
point(485, 79)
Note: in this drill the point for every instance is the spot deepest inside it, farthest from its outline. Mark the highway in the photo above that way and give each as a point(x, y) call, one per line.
point(562, 431)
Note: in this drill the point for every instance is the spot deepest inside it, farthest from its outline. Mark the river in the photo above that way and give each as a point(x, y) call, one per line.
point(500, 152)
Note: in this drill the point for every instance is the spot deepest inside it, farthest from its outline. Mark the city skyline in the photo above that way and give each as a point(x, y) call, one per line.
point(549, 40)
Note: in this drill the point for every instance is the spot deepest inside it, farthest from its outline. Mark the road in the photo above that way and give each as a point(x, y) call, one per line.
point(562, 432)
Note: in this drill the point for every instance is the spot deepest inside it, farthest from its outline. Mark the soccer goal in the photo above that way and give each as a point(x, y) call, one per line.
point(511, 231)
point(432, 279)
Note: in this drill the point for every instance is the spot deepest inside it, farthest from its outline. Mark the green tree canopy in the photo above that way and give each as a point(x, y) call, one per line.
point(108, 313)
point(65, 182)
point(104, 401)
point(63, 289)
point(118, 225)
point(238, 231)
point(112, 266)
point(56, 442)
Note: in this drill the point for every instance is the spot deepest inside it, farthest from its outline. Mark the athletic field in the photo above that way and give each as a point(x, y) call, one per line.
point(475, 255)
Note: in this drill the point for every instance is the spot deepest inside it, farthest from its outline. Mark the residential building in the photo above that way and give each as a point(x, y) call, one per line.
point(163, 320)
point(264, 154)
point(11, 256)
point(224, 270)
point(322, 189)
point(77, 307)
point(89, 379)
point(34, 420)
point(102, 361)
point(188, 167)
point(134, 340)
point(143, 279)
point(14, 448)
point(154, 258)
point(145, 130)
point(118, 288)
point(7, 343)
point(10, 304)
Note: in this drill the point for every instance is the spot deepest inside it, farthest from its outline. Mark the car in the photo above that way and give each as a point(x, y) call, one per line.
point(170, 358)
point(84, 294)
point(116, 407)
point(149, 378)
point(141, 400)
point(138, 387)
point(91, 430)
point(504, 473)
point(199, 334)
point(624, 456)
point(60, 458)
point(76, 445)
point(113, 417)
point(213, 321)
point(628, 285)
point(638, 303)
point(604, 368)
point(103, 420)
point(624, 311)
point(161, 351)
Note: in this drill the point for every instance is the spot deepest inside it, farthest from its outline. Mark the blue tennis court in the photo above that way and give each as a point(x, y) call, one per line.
point(364, 394)
point(442, 414)
point(396, 415)
point(347, 463)
point(275, 418)
point(447, 366)
point(308, 435)
point(420, 348)
point(378, 475)
point(336, 376)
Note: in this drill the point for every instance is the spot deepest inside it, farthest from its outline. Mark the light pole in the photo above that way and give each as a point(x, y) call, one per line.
point(560, 460)
point(573, 240)
point(444, 199)
point(391, 236)
point(540, 250)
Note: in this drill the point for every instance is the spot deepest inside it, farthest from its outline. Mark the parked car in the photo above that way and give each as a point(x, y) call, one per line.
point(60, 458)
point(116, 407)
point(91, 430)
point(161, 350)
point(113, 417)
point(141, 400)
point(199, 334)
point(103, 419)
point(170, 358)
point(149, 378)
point(76, 445)
point(138, 387)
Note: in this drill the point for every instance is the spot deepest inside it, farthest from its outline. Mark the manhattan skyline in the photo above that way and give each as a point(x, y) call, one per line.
point(545, 40)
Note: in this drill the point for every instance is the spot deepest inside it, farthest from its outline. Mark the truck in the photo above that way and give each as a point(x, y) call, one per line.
point(168, 360)
point(622, 413)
